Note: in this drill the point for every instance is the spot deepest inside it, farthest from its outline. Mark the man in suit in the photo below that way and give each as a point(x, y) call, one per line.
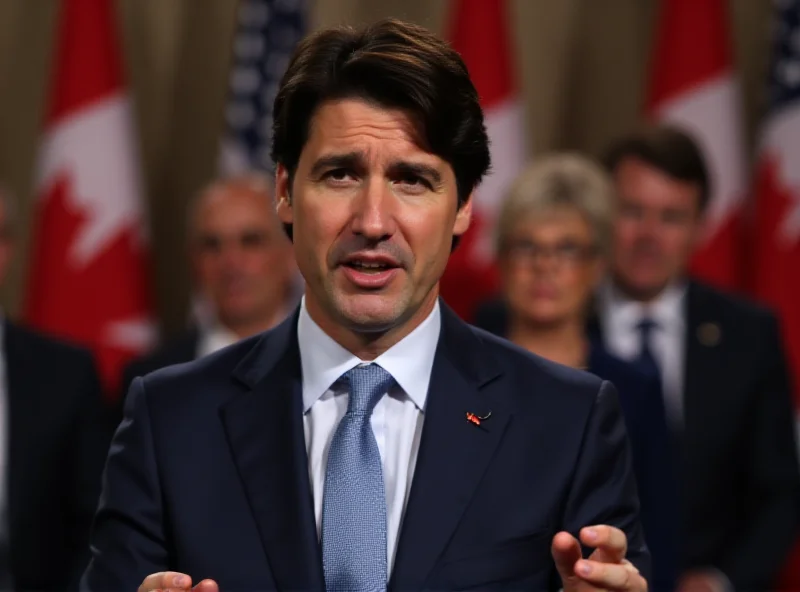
point(373, 440)
point(53, 440)
point(721, 364)
point(243, 268)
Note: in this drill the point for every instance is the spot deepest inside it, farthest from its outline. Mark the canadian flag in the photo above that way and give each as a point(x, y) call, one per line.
point(88, 281)
point(776, 238)
point(693, 87)
point(479, 32)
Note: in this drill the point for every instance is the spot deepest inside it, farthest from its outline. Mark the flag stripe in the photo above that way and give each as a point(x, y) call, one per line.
point(479, 32)
point(692, 45)
point(87, 62)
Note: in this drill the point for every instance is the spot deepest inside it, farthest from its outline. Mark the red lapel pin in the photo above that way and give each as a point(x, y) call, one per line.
point(477, 419)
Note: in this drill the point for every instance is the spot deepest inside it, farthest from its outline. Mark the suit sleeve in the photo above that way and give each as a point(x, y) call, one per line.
point(128, 539)
point(773, 476)
point(89, 446)
point(603, 489)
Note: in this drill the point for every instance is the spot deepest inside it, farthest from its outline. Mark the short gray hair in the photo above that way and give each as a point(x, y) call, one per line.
point(563, 180)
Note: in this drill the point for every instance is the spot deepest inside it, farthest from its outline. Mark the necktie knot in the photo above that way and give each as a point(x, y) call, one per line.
point(368, 383)
point(646, 326)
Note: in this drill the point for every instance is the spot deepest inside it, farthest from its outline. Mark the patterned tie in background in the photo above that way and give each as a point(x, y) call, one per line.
point(354, 502)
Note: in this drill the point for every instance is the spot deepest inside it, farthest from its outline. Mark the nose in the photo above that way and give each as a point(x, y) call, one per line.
point(373, 216)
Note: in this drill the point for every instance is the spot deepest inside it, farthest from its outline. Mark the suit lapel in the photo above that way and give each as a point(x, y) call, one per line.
point(454, 452)
point(264, 426)
point(704, 363)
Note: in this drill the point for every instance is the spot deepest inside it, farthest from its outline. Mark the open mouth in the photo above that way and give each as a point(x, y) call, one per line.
point(370, 273)
point(369, 267)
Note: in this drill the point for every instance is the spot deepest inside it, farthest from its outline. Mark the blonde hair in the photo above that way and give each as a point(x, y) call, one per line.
point(557, 181)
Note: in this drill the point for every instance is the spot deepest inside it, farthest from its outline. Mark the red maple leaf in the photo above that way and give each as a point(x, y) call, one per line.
point(82, 302)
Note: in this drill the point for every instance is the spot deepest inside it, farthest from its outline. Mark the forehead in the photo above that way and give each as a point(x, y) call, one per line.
point(553, 221)
point(353, 125)
point(640, 180)
point(233, 205)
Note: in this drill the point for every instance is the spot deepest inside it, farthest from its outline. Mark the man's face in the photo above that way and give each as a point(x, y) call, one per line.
point(656, 228)
point(373, 218)
point(241, 257)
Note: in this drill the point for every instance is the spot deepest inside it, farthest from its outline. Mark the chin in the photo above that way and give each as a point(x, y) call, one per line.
point(370, 313)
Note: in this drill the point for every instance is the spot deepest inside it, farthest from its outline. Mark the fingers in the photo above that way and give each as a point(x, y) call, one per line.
point(206, 586)
point(166, 580)
point(566, 552)
point(611, 576)
point(610, 543)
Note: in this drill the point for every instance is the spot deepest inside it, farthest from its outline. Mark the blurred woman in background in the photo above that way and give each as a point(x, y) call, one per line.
point(554, 230)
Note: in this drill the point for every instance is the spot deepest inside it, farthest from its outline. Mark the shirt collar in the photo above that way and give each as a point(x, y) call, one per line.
point(620, 312)
point(409, 361)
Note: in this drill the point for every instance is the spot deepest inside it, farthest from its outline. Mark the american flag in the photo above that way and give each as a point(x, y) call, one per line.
point(266, 35)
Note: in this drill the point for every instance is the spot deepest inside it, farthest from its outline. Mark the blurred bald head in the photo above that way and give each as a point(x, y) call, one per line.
point(242, 260)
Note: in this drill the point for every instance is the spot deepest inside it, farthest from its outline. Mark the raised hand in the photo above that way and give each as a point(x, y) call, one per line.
point(605, 569)
point(170, 581)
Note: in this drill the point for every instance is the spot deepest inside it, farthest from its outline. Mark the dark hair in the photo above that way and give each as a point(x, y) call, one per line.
point(396, 65)
point(668, 149)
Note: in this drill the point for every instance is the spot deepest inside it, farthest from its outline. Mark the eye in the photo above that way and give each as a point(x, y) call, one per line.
point(339, 176)
point(413, 182)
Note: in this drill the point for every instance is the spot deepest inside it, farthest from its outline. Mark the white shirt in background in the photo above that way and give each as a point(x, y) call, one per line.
point(619, 318)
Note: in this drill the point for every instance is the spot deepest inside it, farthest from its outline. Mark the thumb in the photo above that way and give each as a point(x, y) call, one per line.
point(566, 551)
point(206, 586)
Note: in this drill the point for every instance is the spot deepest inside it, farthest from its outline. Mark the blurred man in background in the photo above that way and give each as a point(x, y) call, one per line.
point(53, 441)
point(243, 267)
point(721, 364)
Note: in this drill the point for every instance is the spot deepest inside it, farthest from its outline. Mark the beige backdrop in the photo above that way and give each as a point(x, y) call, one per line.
point(582, 65)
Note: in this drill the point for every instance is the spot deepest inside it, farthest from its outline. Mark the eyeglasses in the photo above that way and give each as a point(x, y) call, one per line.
point(563, 253)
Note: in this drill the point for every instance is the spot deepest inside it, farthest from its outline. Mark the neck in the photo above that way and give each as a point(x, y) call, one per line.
point(642, 295)
point(563, 342)
point(247, 328)
point(368, 345)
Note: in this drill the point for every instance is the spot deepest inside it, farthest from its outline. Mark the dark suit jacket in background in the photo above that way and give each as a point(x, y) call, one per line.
point(645, 417)
point(740, 481)
point(58, 441)
point(208, 473)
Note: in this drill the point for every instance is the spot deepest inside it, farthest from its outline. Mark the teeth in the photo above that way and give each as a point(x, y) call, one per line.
point(366, 265)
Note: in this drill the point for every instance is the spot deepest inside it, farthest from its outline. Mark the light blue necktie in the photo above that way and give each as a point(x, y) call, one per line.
point(354, 502)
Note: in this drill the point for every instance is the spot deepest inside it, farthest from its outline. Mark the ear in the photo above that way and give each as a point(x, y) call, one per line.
point(463, 217)
point(283, 206)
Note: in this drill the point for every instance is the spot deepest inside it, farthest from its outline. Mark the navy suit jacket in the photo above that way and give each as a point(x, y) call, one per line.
point(208, 475)
point(653, 458)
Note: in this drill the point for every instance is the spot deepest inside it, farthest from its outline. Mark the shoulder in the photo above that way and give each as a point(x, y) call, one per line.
point(531, 371)
point(34, 343)
point(716, 302)
point(176, 351)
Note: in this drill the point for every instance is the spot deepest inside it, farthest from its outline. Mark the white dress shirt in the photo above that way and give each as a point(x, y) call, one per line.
point(396, 420)
point(620, 317)
point(214, 337)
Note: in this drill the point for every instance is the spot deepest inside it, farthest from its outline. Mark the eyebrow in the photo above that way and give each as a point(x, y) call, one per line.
point(350, 160)
point(416, 169)
point(355, 160)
